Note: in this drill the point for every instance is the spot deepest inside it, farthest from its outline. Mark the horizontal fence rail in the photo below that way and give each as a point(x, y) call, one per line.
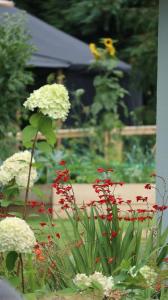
point(89, 132)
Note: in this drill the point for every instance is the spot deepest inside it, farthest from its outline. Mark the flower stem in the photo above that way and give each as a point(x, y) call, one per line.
point(29, 174)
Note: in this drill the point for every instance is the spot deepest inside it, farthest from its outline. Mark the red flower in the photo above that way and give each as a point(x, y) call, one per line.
point(100, 170)
point(114, 234)
point(109, 217)
point(165, 259)
point(110, 260)
point(128, 201)
point(148, 186)
point(43, 224)
point(58, 235)
point(140, 198)
point(50, 210)
point(62, 163)
point(41, 209)
point(160, 207)
point(97, 260)
point(34, 203)
point(110, 170)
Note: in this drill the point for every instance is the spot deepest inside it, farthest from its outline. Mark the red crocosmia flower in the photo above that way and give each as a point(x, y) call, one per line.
point(50, 210)
point(62, 163)
point(49, 237)
point(114, 234)
point(41, 209)
point(38, 251)
point(165, 260)
point(109, 217)
point(42, 224)
point(34, 203)
point(110, 260)
point(58, 235)
point(148, 186)
point(40, 258)
point(61, 201)
point(140, 198)
point(97, 260)
point(128, 201)
point(160, 207)
point(100, 170)
point(53, 225)
point(110, 170)
point(66, 206)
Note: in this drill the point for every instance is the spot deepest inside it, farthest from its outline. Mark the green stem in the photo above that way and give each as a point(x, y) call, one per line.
point(28, 181)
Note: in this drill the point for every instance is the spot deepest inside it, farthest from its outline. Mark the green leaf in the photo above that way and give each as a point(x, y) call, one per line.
point(28, 134)
point(44, 147)
point(11, 260)
point(36, 119)
point(46, 129)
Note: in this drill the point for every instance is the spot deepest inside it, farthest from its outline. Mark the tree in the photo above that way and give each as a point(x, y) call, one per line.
point(14, 54)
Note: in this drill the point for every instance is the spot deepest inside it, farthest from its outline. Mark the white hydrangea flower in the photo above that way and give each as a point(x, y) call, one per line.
point(51, 100)
point(16, 168)
point(82, 280)
point(149, 274)
point(99, 277)
point(16, 235)
point(107, 283)
point(108, 286)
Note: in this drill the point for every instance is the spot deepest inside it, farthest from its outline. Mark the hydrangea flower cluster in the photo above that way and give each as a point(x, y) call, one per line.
point(16, 168)
point(51, 100)
point(16, 235)
point(148, 274)
point(84, 281)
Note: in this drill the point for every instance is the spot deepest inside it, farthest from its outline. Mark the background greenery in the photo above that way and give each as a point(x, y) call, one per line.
point(132, 22)
point(14, 78)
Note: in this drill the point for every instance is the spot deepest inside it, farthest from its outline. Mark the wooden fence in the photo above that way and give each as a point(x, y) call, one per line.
point(89, 132)
point(108, 136)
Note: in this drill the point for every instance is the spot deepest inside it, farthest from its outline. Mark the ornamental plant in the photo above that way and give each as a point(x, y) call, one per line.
point(16, 238)
point(109, 93)
point(128, 244)
point(50, 102)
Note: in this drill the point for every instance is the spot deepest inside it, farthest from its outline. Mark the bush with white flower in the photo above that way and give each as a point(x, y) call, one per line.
point(16, 168)
point(148, 273)
point(16, 235)
point(51, 100)
point(82, 281)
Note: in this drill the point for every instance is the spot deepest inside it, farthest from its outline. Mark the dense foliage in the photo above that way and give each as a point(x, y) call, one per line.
point(14, 54)
point(133, 22)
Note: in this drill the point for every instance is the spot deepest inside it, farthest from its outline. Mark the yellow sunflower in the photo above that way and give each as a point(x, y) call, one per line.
point(94, 50)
